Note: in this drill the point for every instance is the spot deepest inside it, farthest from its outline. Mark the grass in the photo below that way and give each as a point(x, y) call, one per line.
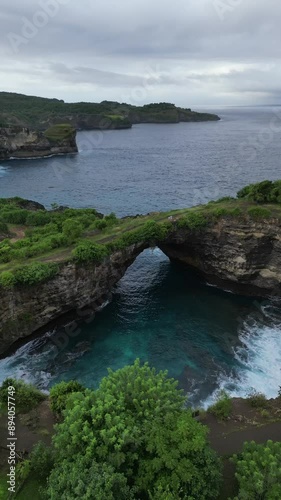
point(40, 250)
point(59, 132)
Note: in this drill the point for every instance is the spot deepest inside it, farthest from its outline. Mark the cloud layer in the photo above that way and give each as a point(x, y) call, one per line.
point(187, 51)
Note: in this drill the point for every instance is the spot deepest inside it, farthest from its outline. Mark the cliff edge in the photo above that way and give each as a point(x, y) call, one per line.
point(19, 142)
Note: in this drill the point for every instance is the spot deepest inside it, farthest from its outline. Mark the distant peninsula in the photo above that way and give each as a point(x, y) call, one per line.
point(37, 113)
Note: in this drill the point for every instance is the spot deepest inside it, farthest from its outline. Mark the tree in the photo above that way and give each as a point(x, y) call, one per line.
point(258, 471)
point(135, 425)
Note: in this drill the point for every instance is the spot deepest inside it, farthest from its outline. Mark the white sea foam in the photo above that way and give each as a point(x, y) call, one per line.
point(258, 357)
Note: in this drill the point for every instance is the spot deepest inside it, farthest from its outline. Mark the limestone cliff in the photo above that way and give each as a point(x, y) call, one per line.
point(243, 256)
point(18, 142)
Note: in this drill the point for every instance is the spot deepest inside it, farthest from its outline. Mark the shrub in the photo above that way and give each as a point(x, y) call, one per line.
point(59, 394)
point(3, 227)
point(7, 279)
point(223, 406)
point(259, 212)
point(257, 400)
point(41, 460)
point(5, 253)
point(219, 212)
point(193, 220)
point(100, 224)
point(26, 396)
point(39, 218)
point(258, 471)
point(136, 427)
point(72, 229)
point(35, 273)
point(89, 252)
point(262, 192)
point(15, 216)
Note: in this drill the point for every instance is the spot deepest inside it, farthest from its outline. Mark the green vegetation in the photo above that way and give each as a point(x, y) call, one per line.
point(259, 472)
point(222, 408)
point(257, 400)
point(59, 394)
point(132, 438)
point(26, 396)
point(262, 192)
point(36, 112)
point(259, 213)
point(59, 132)
point(34, 242)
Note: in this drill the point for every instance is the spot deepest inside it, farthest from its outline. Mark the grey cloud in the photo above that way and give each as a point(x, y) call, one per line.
point(111, 44)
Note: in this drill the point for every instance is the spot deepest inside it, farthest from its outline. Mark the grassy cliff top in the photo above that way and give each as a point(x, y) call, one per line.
point(32, 111)
point(32, 236)
point(59, 132)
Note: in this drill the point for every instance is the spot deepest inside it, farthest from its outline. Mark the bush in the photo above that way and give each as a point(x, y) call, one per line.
point(59, 394)
point(3, 228)
point(35, 273)
point(72, 229)
point(259, 212)
point(41, 461)
point(193, 220)
point(7, 279)
point(26, 396)
point(100, 224)
point(89, 252)
point(40, 218)
point(223, 406)
point(136, 427)
point(257, 400)
point(5, 253)
point(15, 216)
point(262, 192)
point(258, 471)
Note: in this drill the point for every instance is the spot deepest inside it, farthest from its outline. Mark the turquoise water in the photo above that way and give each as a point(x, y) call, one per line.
point(206, 338)
point(163, 314)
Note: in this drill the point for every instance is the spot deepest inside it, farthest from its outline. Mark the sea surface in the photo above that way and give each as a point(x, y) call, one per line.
point(206, 338)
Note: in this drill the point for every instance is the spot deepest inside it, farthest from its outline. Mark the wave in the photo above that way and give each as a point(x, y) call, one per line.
point(258, 357)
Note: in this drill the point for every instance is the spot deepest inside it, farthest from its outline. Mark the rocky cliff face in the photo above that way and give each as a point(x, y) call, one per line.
point(18, 142)
point(242, 256)
point(25, 310)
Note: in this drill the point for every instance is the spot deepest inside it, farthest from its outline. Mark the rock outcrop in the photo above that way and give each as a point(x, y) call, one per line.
point(243, 256)
point(18, 142)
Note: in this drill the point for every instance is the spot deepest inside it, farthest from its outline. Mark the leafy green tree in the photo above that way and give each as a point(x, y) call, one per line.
point(135, 425)
point(258, 471)
point(59, 394)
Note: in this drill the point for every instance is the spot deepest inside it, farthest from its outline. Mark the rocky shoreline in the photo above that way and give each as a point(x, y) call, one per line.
point(242, 257)
point(23, 143)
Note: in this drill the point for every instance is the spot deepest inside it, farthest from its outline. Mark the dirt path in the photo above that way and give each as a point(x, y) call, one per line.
point(19, 234)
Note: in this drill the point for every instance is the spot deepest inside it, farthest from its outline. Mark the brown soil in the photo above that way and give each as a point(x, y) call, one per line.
point(18, 234)
point(37, 425)
point(245, 424)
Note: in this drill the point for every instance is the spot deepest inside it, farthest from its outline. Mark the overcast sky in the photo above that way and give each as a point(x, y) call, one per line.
point(190, 52)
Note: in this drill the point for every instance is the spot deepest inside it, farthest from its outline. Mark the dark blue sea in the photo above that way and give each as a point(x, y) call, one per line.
point(206, 338)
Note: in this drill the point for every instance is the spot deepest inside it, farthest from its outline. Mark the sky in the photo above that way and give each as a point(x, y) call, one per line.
point(189, 52)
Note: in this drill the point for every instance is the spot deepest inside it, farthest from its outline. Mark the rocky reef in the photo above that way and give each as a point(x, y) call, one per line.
point(243, 256)
point(19, 142)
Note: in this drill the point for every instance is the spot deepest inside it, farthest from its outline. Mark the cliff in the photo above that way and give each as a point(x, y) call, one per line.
point(238, 254)
point(18, 142)
point(41, 113)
